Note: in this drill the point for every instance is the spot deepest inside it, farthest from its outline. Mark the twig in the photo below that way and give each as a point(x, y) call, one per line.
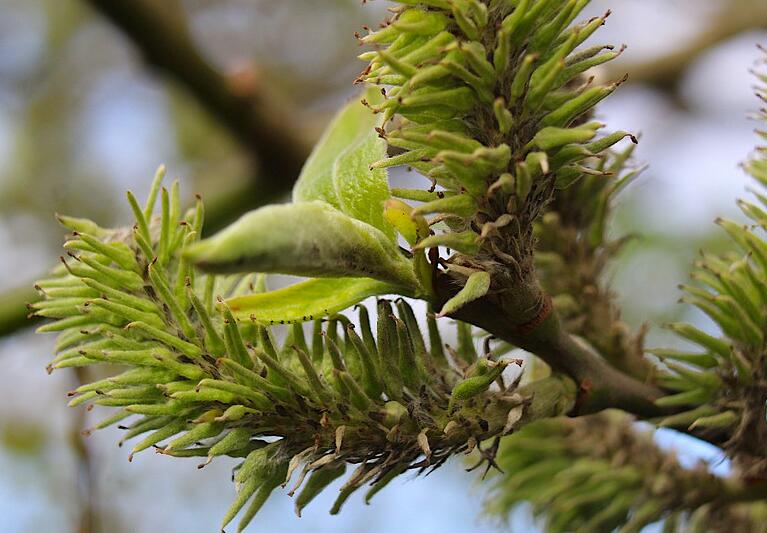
point(242, 104)
point(600, 386)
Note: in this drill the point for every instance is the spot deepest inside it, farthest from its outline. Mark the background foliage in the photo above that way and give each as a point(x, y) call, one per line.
point(82, 119)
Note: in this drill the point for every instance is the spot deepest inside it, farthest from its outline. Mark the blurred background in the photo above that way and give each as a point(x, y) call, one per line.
point(230, 94)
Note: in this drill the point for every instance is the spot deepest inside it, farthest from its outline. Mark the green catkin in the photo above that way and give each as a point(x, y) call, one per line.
point(197, 433)
point(233, 339)
point(436, 348)
point(235, 440)
point(144, 425)
point(367, 332)
point(311, 375)
point(160, 283)
point(466, 349)
point(387, 343)
point(213, 341)
point(246, 376)
point(286, 375)
point(319, 480)
point(484, 95)
point(370, 377)
point(166, 432)
point(257, 399)
point(408, 365)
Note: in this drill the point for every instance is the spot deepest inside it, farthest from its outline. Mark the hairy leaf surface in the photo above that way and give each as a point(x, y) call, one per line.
point(338, 170)
point(304, 239)
point(307, 300)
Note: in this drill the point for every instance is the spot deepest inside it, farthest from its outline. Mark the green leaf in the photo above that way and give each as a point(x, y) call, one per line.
point(307, 300)
point(476, 287)
point(304, 239)
point(338, 170)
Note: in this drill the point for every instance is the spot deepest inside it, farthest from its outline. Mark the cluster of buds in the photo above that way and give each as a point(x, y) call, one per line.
point(572, 253)
point(599, 473)
point(489, 101)
point(202, 382)
point(721, 388)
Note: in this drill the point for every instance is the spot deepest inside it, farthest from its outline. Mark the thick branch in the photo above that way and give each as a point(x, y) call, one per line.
point(161, 35)
point(602, 386)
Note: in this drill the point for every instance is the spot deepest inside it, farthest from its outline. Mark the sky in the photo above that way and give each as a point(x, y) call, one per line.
point(124, 130)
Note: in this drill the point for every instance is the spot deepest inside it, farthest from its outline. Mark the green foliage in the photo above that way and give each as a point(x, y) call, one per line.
point(306, 300)
point(205, 379)
point(574, 249)
point(338, 170)
point(720, 387)
point(487, 101)
point(476, 287)
point(304, 239)
point(336, 228)
point(599, 473)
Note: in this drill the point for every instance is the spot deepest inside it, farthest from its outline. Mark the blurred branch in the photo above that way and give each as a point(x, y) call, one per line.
point(664, 72)
point(240, 102)
point(13, 308)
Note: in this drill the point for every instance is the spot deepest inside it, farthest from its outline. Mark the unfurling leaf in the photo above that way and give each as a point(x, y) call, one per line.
point(476, 287)
point(400, 216)
point(304, 239)
point(307, 300)
point(338, 170)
